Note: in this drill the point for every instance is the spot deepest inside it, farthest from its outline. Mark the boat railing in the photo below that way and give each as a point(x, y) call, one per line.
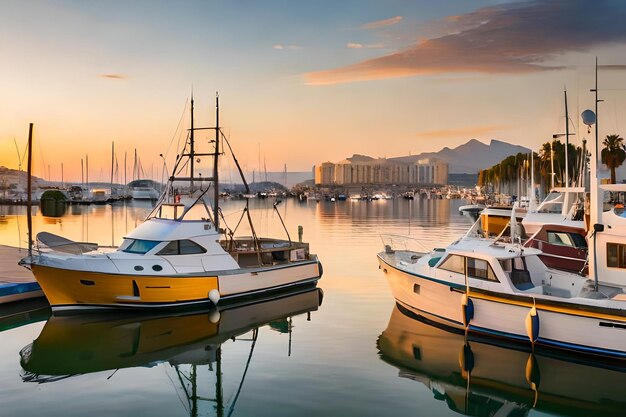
point(394, 243)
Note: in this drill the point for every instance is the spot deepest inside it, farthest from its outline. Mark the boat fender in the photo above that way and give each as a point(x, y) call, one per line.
point(214, 316)
point(532, 325)
point(320, 268)
point(533, 376)
point(214, 296)
point(468, 309)
point(466, 360)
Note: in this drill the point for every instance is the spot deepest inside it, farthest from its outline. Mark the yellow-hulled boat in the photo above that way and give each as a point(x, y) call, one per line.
point(178, 257)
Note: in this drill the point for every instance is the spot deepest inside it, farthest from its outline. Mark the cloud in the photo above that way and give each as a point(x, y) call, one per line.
point(113, 76)
point(511, 38)
point(354, 45)
point(281, 47)
point(378, 24)
point(464, 132)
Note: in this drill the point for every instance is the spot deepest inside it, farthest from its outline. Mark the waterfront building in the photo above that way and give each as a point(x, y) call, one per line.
point(364, 170)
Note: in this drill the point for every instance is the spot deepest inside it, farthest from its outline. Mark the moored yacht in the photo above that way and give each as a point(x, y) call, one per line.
point(500, 288)
point(180, 256)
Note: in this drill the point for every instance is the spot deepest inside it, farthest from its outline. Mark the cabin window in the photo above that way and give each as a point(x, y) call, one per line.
point(181, 247)
point(454, 263)
point(560, 238)
point(479, 268)
point(141, 246)
point(615, 255)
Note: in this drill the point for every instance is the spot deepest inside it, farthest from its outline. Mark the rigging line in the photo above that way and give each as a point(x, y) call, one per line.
point(243, 178)
point(180, 121)
point(175, 390)
point(243, 377)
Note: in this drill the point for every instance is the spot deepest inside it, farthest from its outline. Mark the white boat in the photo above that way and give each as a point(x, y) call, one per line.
point(503, 289)
point(143, 190)
point(564, 206)
point(180, 256)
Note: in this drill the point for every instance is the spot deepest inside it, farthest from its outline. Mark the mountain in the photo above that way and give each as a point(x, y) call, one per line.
point(470, 157)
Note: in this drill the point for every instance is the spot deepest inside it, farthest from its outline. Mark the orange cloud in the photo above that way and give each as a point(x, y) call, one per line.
point(510, 38)
point(378, 24)
point(465, 132)
point(113, 76)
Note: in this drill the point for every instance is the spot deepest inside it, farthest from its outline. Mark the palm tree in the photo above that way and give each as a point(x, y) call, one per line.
point(613, 154)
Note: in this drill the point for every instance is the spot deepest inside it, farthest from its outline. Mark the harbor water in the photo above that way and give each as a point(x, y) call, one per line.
point(343, 350)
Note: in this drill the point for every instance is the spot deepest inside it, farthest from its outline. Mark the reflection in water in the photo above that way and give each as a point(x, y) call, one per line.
point(480, 378)
point(80, 344)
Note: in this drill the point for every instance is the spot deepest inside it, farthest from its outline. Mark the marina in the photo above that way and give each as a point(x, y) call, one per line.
point(343, 345)
point(355, 208)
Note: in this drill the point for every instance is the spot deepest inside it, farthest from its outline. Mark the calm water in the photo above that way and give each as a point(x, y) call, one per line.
point(353, 354)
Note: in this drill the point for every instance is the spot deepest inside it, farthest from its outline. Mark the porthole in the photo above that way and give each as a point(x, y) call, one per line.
point(138, 268)
point(157, 268)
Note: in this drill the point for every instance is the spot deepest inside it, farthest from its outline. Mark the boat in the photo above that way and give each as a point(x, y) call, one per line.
point(191, 342)
point(484, 377)
point(179, 256)
point(502, 289)
point(142, 189)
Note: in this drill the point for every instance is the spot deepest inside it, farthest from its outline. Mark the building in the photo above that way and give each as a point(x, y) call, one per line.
point(363, 170)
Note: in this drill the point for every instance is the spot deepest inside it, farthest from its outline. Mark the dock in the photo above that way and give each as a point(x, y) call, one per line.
point(16, 282)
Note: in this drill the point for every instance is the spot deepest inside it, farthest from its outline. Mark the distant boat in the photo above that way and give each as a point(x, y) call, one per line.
point(143, 190)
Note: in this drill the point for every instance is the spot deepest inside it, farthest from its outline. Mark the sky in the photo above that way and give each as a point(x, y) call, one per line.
point(300, 82)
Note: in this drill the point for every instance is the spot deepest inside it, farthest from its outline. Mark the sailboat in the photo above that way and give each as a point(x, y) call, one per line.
point(179, 257)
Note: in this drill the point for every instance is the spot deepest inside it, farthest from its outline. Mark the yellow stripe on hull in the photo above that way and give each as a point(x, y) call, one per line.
point(62, 287)
point(547, 307)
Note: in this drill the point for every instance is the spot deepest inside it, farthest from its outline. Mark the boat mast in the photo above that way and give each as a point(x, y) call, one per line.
point(29, 199)
point(566, 142)
point(595, 196)
point(216, 191)
point(191, 145)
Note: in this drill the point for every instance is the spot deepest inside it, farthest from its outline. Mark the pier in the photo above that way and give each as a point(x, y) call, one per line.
point(16, 282)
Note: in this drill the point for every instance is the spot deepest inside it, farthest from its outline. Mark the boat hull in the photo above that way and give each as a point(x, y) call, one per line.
point(558, 324)
point(73, 290)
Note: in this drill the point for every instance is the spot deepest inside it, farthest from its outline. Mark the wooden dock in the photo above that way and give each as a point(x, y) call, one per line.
point(16, 282)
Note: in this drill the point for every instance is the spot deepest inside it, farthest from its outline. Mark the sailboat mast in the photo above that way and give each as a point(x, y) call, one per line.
point(216, 191)
point(191, 146)
point(112, 159)
point(566, 142)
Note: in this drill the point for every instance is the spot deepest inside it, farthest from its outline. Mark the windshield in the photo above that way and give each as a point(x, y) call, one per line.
point(141, 246)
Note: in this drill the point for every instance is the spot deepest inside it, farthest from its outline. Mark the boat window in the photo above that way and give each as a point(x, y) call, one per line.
point(141, 246)
point(181, 247)
point(479, 268)
point(552, 204)
point(615, 255)
point(454, 263)
point(560, 238)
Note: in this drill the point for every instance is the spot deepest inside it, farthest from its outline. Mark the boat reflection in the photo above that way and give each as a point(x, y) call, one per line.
point(80, 344)
point(481, 378)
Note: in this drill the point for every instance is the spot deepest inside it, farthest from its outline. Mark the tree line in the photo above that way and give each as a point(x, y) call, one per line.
point(513, 174)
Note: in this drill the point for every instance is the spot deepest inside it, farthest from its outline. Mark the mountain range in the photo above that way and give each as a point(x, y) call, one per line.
point(468, 158)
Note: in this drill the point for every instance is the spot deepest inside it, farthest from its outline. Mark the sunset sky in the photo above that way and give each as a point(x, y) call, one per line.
point(300, 82)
